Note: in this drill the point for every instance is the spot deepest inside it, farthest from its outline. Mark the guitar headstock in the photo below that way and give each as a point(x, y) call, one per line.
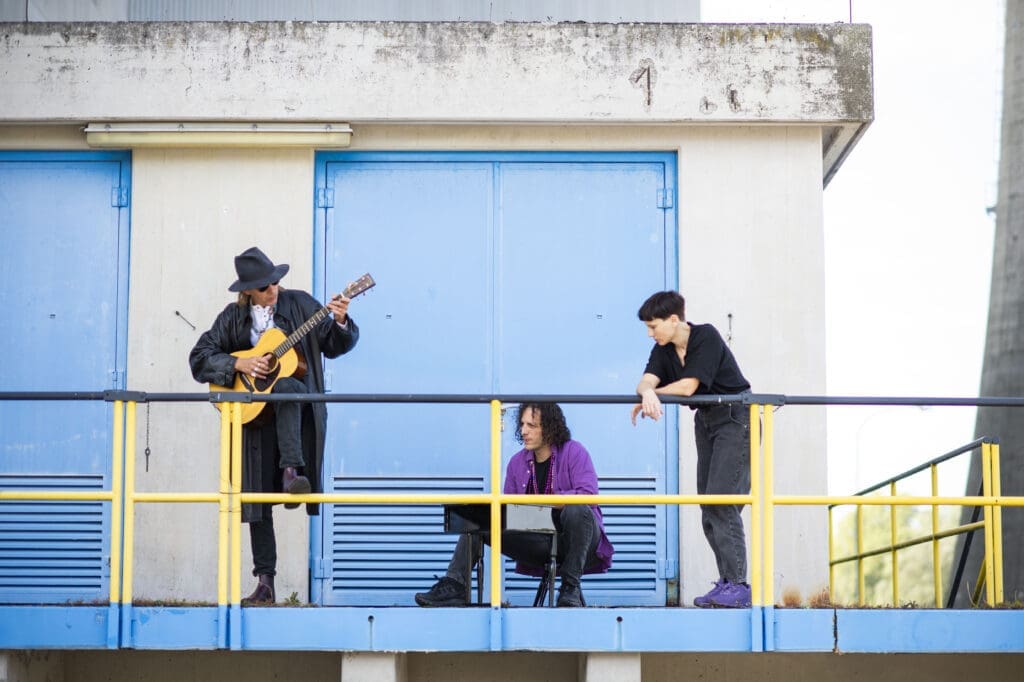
point(361, 285)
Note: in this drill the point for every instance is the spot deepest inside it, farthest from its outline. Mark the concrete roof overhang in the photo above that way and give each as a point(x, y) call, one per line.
point(443, 73)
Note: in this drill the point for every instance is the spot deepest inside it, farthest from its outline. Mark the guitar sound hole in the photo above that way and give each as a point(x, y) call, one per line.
point(264, 384)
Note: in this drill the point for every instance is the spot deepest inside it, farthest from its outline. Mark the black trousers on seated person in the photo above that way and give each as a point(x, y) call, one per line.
point(578, 536)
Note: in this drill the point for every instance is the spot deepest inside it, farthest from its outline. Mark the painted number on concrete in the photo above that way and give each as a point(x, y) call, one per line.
point(644, 77)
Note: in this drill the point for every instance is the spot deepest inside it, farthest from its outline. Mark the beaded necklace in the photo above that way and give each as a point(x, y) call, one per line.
point(531, 484)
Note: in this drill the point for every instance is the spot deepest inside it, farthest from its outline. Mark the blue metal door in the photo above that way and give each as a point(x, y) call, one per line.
point(63, 292)
point(504, 273)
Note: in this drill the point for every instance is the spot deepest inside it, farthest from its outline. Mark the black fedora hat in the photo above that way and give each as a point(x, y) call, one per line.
point(255, 270)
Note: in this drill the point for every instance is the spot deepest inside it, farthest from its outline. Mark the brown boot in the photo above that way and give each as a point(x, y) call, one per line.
point(263, 594)
point(294, 484)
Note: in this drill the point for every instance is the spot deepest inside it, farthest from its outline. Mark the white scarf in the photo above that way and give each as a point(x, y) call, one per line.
point(262, 320)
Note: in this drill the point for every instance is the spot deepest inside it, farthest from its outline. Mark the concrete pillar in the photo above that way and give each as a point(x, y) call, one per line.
point(31, 666)
point(362, 666)
point(600, 667)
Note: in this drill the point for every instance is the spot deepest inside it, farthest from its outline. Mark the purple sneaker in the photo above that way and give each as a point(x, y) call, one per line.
point(705, 601)
point(731, 596)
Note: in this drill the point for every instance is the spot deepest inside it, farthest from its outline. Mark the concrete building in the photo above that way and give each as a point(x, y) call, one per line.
point(517, 189)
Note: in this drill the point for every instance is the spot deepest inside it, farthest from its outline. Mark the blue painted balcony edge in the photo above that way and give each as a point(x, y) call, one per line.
point(930, 631)
point(635, 630)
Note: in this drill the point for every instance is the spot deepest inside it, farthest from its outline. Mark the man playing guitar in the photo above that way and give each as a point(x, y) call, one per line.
point(285, 452)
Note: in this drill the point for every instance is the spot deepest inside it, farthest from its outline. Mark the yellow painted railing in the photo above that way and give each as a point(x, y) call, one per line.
point(991, 526)
point(762, 498)
point(495, 499)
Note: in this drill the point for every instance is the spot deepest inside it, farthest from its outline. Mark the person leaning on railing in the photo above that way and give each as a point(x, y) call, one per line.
point(550, 463)
point(284, 453)
point(689, 359)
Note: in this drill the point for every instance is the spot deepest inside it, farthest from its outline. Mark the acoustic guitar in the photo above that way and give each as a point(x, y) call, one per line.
point(285, 361)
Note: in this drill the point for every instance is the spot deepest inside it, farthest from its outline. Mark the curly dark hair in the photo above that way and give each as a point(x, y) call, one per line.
point(552, 423)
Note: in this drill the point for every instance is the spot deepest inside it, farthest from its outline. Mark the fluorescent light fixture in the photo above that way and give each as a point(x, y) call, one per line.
point(134, 135)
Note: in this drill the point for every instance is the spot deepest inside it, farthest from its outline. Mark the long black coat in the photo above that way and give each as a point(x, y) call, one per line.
point(211, 362)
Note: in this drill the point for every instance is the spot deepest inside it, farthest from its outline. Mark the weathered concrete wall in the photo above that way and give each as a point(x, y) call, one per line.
point(750, 247)
point(751, 262)
point(435, 72)
point(192, 212)
point(122, 666)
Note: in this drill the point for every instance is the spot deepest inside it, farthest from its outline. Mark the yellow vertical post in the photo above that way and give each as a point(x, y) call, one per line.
point(769, 506)
point(129, 503)
point(936, 564)
point(756, 537)
point(496, 560)
point(892, 542)
point(116, 500)
point(986, 482)
point(997, 526)
point(831, 557)
point(224, 505)
point(236, 503)
point(861, 597)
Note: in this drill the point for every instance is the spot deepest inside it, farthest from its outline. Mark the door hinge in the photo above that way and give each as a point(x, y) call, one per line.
point(668, 568)
point(119, 196)
point(328, 380)
point(665, 197)
point(319, 569)
point(117, 378)
point(325, 198)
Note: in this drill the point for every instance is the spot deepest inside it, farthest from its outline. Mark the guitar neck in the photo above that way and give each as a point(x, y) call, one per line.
point(304, 329)
point(359, 286)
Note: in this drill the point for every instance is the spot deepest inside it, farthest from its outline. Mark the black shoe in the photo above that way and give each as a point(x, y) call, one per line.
point(445, 592)
point(294, 484)
point(263, 594)
point(570, 596)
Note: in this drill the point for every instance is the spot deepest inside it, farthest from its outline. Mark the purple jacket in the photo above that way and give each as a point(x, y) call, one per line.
point(572, 474)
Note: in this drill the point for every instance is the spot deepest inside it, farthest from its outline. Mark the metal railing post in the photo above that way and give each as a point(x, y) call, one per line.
point(756, 529)
point(235, 619)
point(861, 596)
point(892, 542)
point(831, 555)
point(116, 516)
point(936, 559)
point(986, 482)
point(496, 489)
point(223, 525)
point(997, 525)
point(757, 620)
point(769, 506)
point(129, 524)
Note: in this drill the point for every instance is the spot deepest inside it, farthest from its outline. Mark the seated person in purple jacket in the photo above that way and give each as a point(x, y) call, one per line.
point(549, 464)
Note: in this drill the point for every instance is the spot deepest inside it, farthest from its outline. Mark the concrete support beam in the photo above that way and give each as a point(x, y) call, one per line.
point(596, 667)
point(379, 667)
point(436, 72)
point(31, 666)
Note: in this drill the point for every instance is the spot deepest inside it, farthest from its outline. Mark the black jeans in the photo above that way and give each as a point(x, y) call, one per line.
point(288, 420)
point(288, 423)
point(264, 545)
point(723, 468)
point(578, 536)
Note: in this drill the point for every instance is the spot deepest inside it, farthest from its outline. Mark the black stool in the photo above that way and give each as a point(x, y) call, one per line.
point(547, 581)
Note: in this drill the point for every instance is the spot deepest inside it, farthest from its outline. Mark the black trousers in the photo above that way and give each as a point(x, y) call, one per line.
point(288, 422)
point(578, 536)
point(264, 545)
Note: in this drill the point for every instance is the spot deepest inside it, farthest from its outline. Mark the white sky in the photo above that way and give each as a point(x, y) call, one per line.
point(908, 243)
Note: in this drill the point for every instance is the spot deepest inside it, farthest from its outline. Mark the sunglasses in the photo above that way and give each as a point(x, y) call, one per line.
point(272, 284)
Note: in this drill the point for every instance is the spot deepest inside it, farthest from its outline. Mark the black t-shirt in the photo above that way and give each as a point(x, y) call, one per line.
point(708, 360)
point(539, 482)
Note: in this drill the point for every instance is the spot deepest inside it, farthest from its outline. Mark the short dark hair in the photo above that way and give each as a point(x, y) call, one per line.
point(552, 423)
point(662, 305)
